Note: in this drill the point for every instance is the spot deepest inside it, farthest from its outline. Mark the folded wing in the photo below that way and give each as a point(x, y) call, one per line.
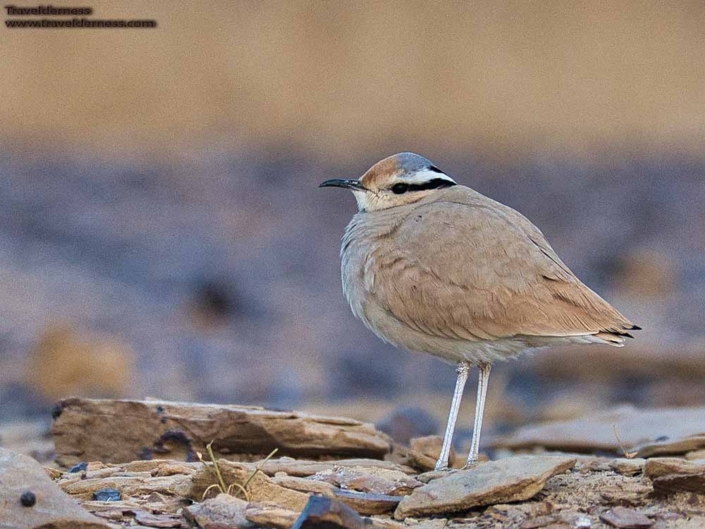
point(478, 270)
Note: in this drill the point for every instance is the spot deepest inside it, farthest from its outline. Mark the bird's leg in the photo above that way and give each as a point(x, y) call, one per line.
point(463, 369)
point(479, 412)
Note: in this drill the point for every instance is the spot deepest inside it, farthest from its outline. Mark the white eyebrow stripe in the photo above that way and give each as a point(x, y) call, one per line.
point(421, 177)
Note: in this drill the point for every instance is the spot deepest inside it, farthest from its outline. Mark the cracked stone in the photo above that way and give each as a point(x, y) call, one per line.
point(512, 479)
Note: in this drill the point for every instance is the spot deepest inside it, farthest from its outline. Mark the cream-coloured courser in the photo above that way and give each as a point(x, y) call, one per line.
point(436, 267)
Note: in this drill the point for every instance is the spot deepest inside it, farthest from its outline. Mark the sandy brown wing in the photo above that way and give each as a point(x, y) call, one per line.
point(481, 272)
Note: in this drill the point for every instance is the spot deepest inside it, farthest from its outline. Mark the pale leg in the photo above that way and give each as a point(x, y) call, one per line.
point(463, 369)
point(479, 412)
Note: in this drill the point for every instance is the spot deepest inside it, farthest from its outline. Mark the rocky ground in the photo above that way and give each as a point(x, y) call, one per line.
point(160, 464)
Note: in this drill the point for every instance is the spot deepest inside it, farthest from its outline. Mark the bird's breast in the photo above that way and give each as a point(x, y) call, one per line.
point(362, 253)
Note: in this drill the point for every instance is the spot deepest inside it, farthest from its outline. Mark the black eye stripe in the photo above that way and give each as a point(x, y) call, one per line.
point(433, 184)
point(436, 183)
point(434, 169)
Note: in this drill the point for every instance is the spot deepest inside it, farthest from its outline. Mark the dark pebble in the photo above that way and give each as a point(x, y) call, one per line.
point(56, 411)
point(78, 467)
point(28, 499)
point(107, 495)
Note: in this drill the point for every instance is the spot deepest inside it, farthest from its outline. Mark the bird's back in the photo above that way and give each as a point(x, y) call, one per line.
point(461, 276)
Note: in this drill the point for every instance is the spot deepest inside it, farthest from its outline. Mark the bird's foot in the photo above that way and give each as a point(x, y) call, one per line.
point(429, 476)
point(471, 464)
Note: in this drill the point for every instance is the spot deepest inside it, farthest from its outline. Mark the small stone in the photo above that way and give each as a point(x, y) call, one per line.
point(536, 523)
point(671, 516)
point(582, 522)
point(573, 519)
point(53, 473)
point(78, 467)
point(222, 511)
point(107, 494)
point(309, 486)
point(174, 469)
point(512, 479)
point(331, 514)
point(386, 523)
point(159, 521)
point(592, 464)
point(628, 467)
point(114, 515)
point(695, 454)
point(270, 515)
point(28, 499)
point(367, 503)
point(624, 518)
point(56, 411)
point(438, 523)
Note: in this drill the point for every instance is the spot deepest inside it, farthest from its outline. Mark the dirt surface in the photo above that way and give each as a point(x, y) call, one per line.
point(524, 490)
point(583, 497)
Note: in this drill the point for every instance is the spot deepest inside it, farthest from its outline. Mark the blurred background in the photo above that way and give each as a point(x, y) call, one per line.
point(162, 234)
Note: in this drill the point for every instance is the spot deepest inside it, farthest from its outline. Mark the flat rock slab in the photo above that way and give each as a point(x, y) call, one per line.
point(512, 479)
point(367, 503)
point(664, 466)
point(117, 431)
point(673, 483)
point(370, 480)
point(628, 467)
point(624, 518)
point(45, 505)
point(303, 468)
point(270, 515)
point(647, 432)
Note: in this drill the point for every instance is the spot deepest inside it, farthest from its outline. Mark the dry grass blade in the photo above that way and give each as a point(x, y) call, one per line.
point(628, 455)
point(208, 489)
point(241, 489)
point(214, 469)
point(258, 468)
point(220, 485)
point(221, 481)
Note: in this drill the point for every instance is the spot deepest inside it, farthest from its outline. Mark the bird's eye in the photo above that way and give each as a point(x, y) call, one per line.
point(399, 189)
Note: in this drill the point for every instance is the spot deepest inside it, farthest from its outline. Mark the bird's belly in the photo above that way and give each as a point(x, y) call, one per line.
point(358, 280)
point(393, 331)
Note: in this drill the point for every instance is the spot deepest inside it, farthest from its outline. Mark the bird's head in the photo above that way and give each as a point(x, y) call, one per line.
point(395, 181)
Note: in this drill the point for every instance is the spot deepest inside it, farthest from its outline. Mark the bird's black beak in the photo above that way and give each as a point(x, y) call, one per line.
point(343, 182)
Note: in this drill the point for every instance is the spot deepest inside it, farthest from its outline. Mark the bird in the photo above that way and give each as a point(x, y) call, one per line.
point(436, 267)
